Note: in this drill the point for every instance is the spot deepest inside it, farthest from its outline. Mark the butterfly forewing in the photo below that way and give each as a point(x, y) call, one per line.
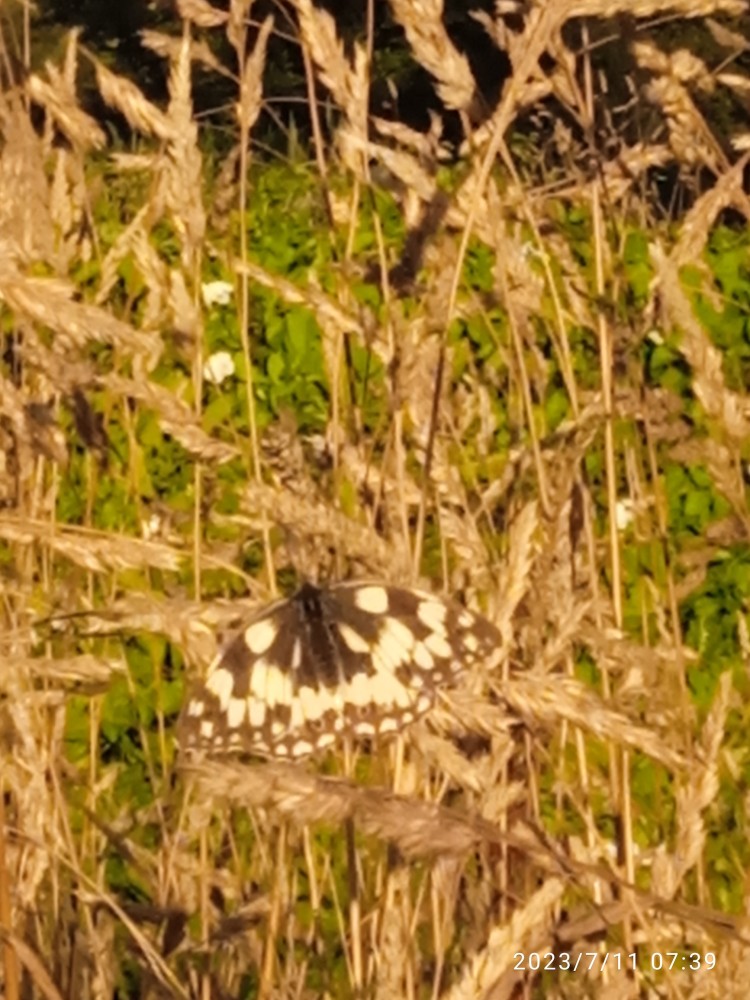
point(355, 659)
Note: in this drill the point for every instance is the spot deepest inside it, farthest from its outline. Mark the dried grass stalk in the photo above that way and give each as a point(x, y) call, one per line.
point(100, 553)
point(78, 127)
point(558, 698)
point(422, 20)
point(530, 924)
point(129, 100)
point(48, 301)
point(251, 83)
point(202, 14)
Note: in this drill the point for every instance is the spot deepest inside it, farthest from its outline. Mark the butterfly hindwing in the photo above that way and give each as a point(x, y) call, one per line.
point(355, 659)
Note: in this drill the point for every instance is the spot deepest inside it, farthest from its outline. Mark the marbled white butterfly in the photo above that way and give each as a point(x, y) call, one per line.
point(353, 659)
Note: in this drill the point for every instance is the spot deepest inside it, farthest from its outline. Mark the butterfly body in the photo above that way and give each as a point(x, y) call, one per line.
point(353, 659)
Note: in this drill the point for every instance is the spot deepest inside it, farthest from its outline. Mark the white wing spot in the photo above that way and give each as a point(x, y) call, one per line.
point(438, 645)
point(359, 690)
point(466, 619)
point(404, 696)
point(259, 679)
point(424, 703)
point(256, 712)
point(422, 657)
point(364, 729)
point(374, 600)
point(296, 655)
point(196, 708)
point(326, 739)
point(207, 729)
point(260, 635)
point(387, 657)
point(388, 725)
point(397, 639)
point(236, 712)
point(331, 700)
point(302, 747)
point(278, 687)
point(388, 690)
point(385, 667)
point(432, 614)
point(297, 715)
point(312, 703)
point(356, 642)
point(471, 642)
point(221, 683)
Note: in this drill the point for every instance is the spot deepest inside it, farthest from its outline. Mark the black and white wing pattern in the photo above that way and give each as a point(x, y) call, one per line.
point(353, 659)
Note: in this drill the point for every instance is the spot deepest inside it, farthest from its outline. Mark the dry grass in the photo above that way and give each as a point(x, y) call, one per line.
point(507, 822)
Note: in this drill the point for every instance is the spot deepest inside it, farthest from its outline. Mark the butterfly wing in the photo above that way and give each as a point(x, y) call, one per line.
point(358, 659)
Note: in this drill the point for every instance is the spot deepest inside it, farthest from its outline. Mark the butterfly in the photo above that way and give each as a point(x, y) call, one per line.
point(356, 659)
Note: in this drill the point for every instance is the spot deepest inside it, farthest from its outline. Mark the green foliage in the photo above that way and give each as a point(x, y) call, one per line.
point(665, 365)
point(556, 408)
point(653, 793)
point(77, 729)
point(728, 256)
point(584, 348)
point(288, 228)
point(637, 268)
point(291, 373)
point(478, 271)
point(693, 501)
point(166, 468)
point(575, 225)
point(710, 619)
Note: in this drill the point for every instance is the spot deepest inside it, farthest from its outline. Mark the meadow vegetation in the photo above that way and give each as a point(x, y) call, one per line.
point(512, 365)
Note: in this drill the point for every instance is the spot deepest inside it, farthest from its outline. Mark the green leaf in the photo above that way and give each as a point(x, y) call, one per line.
point(218, 411)
point(275, 368)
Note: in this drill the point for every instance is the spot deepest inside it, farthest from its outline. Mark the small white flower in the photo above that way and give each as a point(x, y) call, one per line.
point(151, 527)
point(623, 513)
point(216, 293)
point(218, 367)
